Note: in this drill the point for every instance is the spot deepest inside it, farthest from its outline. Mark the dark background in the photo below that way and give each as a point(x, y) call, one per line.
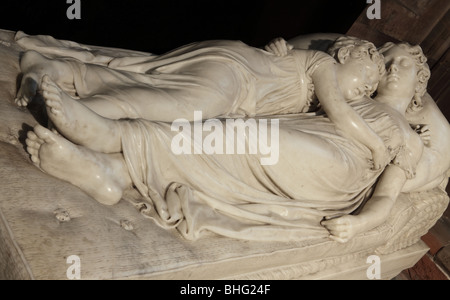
point(158, 26)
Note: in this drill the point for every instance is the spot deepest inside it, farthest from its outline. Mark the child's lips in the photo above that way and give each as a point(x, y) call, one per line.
point(362, 90)
point(392, 77)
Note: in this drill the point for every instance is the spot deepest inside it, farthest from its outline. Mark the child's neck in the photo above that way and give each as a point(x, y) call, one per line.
point(400, 104)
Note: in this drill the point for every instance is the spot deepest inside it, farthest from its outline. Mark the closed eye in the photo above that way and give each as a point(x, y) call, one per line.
point(405, 62)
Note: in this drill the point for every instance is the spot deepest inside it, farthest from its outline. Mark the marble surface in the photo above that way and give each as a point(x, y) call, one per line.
point(45, 220)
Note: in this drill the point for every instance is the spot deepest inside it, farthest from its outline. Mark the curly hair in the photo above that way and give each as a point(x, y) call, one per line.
point(423, 70)
point(358, 49)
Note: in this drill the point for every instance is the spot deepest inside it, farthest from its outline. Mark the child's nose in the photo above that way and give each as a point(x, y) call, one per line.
point(393, 68)
point(368, 89)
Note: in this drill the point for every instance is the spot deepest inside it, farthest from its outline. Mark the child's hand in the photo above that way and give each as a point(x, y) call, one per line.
point(342, 229)
point(279, 47)
point(424, 132)
point(380, 157)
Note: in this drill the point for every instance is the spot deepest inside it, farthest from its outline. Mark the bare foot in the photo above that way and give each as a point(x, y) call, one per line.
point(98, 174)
point(77, 122)
point(34, 66)
point(28, 89)
point(60, 108)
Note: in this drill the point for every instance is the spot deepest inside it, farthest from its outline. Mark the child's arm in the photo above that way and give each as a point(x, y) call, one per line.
point(344, 116)
point(375, 211)
point(279, 47)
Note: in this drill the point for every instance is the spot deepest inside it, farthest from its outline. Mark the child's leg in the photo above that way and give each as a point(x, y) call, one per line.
point(102, 176)
point(72, 75)
point(209, 87)
point(78, 123)
point(34, 66)
point(159, 104)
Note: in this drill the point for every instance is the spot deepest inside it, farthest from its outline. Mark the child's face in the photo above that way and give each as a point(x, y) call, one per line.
point(357, 77)
point(401, 74)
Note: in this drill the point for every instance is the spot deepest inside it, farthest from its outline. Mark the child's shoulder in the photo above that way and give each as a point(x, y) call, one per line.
point(314, 60)
point(312, 57)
